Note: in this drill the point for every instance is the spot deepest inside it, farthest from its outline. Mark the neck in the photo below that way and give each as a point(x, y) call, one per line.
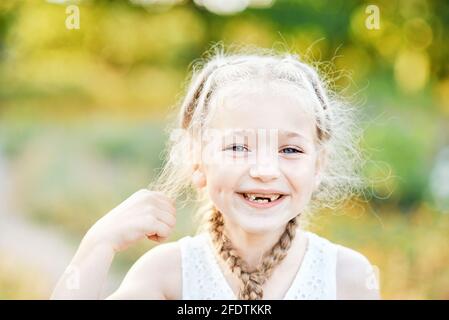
point(252, 246)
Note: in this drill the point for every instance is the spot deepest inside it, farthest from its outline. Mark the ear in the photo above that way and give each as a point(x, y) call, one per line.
point(198, 178)
point(321, 163)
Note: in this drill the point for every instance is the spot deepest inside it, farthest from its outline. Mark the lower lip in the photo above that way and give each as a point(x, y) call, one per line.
point(262, 204)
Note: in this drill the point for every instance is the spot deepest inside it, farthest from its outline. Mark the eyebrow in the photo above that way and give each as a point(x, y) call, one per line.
point(287, 133)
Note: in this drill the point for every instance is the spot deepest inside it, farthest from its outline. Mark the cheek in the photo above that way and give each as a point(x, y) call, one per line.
point(223, 178)
point(301, 175)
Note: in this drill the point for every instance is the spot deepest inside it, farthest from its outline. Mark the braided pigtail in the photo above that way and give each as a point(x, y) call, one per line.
point(196, 96)
point(251, 281)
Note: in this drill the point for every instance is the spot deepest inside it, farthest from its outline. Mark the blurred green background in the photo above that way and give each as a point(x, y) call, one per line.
point(83, 111)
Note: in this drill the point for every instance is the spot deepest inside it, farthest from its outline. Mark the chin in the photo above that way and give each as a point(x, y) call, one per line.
point(257, 225)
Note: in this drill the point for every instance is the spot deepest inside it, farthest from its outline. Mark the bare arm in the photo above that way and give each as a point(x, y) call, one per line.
point(356, 277)
point(145, 214)
point(155, 276)
point(86, 275)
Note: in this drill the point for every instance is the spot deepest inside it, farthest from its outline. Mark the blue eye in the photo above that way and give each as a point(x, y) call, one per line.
point(237, 148)
point(290, 150)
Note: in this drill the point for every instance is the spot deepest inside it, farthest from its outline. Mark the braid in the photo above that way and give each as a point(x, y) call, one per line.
point(251, 281)
point(202, 87)
point(308, 77)
point(191, 100)
point(201, 92)
point(320, 93)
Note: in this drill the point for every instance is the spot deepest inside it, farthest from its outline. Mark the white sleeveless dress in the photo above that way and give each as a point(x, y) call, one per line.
point(202, 278)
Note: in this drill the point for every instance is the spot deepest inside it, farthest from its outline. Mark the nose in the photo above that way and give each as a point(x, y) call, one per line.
point(266, 166)
point(265, 171)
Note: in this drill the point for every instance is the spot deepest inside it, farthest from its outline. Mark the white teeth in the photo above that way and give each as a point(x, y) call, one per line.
point(262, 198)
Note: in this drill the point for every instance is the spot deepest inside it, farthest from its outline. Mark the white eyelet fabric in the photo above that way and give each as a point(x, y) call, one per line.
point(202, 278)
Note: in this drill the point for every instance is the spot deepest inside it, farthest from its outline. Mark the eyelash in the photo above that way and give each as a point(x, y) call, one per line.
point(234, 146)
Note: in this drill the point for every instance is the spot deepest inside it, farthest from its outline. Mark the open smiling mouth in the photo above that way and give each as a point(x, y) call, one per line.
point(261, 200)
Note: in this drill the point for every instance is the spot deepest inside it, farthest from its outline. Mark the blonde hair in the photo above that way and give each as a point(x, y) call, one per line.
point(335, 130)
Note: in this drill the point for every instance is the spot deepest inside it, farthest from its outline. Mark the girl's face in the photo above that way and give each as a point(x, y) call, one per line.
point(261, 162)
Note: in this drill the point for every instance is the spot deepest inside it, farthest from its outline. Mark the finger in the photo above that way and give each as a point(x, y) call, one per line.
point(162, 196)
point(157, 200)
point(157, 227)
point(165, 217)
point(160, 199)
point(163, 207)
point(149, 199)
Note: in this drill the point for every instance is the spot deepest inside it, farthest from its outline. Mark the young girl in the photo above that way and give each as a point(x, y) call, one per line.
point(264, 143)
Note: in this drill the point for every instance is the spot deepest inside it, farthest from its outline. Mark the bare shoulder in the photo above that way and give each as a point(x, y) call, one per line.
point(156, 275)
point(356, 277)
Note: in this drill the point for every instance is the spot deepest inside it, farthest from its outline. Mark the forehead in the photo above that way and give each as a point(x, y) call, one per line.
point(267, 106)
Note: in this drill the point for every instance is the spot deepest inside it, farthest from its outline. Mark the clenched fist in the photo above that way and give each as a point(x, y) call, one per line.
point(144, 214)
